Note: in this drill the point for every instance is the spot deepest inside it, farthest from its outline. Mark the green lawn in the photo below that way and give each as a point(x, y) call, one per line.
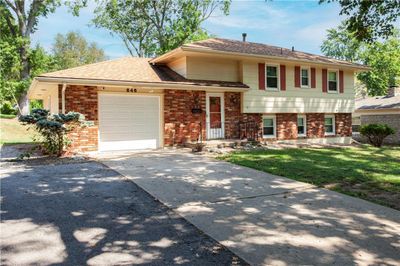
point(11, 132)
point(365, 172)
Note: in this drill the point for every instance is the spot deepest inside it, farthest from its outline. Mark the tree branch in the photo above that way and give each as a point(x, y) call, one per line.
point(32, 15)
point(11, 6)
point(10, 25)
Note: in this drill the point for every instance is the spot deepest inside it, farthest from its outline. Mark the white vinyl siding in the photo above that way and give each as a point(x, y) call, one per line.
point(295, 100)
point(129, 122)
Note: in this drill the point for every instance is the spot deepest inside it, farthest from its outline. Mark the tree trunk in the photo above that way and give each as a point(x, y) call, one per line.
point(23, 101)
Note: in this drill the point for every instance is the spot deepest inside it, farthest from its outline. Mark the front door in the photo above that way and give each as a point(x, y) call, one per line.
point(215, 116)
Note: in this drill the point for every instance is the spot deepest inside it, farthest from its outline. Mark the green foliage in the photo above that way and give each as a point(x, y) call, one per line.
point(383, 57)
point(73, 50)
point(151, 28)
point(7, 108)
point(369, 20)
point(341, 44)
point(53, 127)
point(35, 104)
point(376, 133)
point(7, 116)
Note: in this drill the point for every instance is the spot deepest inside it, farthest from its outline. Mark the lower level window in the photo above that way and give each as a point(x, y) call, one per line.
point(269, 127)
point(329, 125)
point(301, 126)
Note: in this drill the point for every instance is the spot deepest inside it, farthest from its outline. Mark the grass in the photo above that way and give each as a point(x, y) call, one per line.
point(12, 132)
point(366, 172)
point(7, 116)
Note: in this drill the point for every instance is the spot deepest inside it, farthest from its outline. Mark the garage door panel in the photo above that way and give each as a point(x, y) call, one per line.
point(129, 122)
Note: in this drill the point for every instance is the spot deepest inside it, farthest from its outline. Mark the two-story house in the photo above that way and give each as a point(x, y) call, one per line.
point(211, 89)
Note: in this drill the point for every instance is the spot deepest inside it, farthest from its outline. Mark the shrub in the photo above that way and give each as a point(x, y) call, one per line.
point(376, 133)
point(53, 128)
point(7, 109)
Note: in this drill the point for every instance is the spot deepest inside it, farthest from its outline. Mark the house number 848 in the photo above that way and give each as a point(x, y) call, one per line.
point(131, 90)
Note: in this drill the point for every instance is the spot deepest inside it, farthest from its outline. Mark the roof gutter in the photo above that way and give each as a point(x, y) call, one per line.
point(166, 55)
point(203, 50)
point(160, 85)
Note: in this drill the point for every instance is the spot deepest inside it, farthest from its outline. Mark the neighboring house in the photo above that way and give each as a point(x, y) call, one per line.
point(212, 89)
point(379, 110)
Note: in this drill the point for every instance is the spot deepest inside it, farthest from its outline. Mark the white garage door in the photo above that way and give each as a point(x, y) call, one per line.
point(128, 122)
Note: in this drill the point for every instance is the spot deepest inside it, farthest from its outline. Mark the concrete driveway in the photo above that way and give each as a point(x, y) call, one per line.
point(72, 212)
point(266, 219)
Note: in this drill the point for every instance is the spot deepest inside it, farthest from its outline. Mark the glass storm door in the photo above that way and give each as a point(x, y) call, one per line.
point(215, 116)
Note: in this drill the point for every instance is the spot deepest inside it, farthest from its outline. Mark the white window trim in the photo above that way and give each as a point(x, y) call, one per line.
point(333, 125)
point(309, 77)
point(278, 77)
point(337, 81)
point(273, 117)
point(305, 125)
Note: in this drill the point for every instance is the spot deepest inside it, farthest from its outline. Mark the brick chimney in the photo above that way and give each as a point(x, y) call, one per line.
point(393, 91)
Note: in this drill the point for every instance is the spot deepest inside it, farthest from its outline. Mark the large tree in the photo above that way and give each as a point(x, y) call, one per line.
point(342, 44)
point(72, 49)
point(21, 19)
point(150, 27)
point(382, 56)
point(369, 20)
point(384, 59)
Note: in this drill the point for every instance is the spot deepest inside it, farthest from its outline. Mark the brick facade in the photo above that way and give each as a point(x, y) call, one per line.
point(83, 139)
point(286, 126)
point(82, 99)
point(235, 127)
point(315, 125)
point(180, 124)
point(343, 124)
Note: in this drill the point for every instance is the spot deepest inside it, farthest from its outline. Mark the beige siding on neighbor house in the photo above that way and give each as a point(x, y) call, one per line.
point(212, 69)
point(295, 100)
point(179, 66)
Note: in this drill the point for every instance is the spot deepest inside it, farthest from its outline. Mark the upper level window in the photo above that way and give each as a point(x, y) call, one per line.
point(329, 125)
point(269, 126)
point(301, 125)
point(332, 81)
point(272, 77)
point(305, 79)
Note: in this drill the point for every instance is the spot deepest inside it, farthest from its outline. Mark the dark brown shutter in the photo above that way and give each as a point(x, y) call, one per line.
point(341, 82)
point(297, 76)
point(261, 76)
point(313, 81)
point(324, 80)
point(283, 77)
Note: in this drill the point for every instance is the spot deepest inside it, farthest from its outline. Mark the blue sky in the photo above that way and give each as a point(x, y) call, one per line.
point(302, 24)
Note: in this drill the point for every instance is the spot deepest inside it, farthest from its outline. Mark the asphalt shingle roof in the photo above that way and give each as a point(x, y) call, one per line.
point(134, 69)
point(378, 102)
point(234, 46)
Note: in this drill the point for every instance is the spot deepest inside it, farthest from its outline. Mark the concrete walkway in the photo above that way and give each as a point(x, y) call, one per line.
point(266, 219)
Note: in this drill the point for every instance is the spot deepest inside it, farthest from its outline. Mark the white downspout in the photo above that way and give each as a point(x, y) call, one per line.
point(63, 98)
